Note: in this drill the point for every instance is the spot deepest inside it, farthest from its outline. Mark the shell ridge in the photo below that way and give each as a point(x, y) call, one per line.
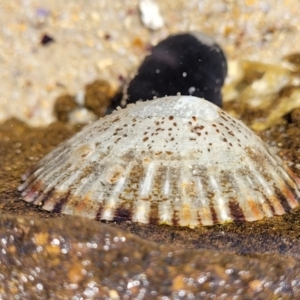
point(42, 189)
point(25, 186)
point(187, 215)
point(220, 202)
point(205, 212)
point(287, 200)
point(146, 184)
point(141, 212)
point(71, 179)
point(112, 211)
point(45, 174)
point(262, 208)
point(264, 190)
point(202, 212)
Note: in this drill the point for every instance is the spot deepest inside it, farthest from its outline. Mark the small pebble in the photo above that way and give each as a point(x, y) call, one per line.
point(63, 106)
point(81, 116)
point(46, 40)
point(98, 97)
point(150, 14)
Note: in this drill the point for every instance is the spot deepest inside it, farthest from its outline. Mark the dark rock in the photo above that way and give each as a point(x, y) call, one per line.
point(189, 63)
point(46, 39)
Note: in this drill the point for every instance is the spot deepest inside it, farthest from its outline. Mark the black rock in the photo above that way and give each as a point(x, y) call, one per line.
point(188, 63)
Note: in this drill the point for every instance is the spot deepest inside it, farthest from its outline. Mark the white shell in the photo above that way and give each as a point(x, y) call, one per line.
point(176, 160)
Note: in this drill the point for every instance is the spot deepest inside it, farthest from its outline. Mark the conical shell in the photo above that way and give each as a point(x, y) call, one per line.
point(176, 160)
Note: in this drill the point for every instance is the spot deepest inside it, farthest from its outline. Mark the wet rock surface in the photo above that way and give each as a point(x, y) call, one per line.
point(74, 257)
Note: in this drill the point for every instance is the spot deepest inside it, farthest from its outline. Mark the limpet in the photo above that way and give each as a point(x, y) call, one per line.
point(189, 63)
point(176, 160)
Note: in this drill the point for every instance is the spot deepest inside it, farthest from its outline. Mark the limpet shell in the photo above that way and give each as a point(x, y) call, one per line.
point(177, 160)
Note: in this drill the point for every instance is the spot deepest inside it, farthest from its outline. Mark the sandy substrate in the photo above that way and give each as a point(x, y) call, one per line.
point(106, 39)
